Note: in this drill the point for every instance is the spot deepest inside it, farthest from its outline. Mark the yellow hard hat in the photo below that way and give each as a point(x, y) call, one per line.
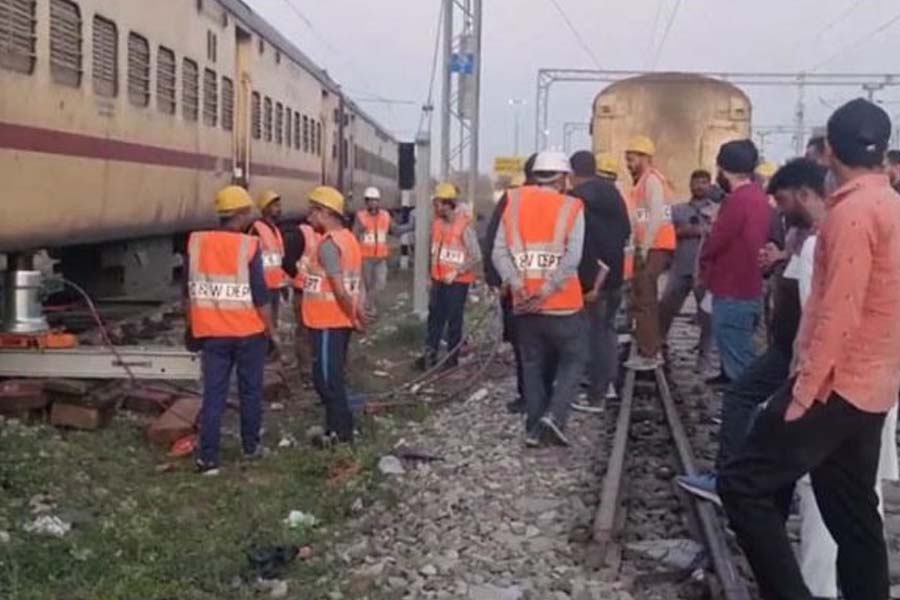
point(767, 169)
point(233, 198)
point(267, 198)
point(446, 191)
point(328, 197)
point(607, 163)
point(641, 144)
point(517, 180)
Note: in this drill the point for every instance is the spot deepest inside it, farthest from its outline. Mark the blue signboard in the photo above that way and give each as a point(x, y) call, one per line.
point(462, 63)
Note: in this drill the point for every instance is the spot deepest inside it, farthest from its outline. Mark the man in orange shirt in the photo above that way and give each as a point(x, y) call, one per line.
point(827, 421)
point(654, 240)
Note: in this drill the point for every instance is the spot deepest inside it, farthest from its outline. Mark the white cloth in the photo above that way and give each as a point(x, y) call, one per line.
point(800, 267)
point(818, 551)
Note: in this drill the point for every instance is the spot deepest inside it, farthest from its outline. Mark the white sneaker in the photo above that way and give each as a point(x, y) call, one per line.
point(611, 393)
point(643, 363)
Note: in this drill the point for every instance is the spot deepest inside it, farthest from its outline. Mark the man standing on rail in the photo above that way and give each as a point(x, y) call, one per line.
point(693, 221)
point(332, 307)
point(607, 229)
point(272, 246)
point(799, 190)
point(229, 313)
point(372, 227)
point(654, 239)
point(454, 255)
point(729, 259)
point(537, 253)
point(828, 419)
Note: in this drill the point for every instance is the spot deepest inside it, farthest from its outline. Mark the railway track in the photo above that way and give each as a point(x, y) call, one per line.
point(640, 506)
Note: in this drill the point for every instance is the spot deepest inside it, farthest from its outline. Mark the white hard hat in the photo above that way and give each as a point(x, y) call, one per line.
point(372, 192)
point(552, 162)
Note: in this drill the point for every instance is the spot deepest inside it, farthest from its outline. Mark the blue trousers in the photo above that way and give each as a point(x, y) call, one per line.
point(329, 361)
point(734, 323)
point(446, 309)
point(219, 358)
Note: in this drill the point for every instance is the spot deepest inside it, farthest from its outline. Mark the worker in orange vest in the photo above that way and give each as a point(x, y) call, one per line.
point(454, 254)
point(332, 307)
point(309, 239)
point(537, 251)
point(372, 227)
point(229, 313)
point(654, 240)
point(272, 245)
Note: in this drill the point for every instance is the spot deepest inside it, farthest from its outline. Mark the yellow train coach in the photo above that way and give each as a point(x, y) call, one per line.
point(118, 122)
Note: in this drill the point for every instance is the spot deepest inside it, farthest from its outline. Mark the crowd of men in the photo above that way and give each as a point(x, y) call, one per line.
point(811, 250)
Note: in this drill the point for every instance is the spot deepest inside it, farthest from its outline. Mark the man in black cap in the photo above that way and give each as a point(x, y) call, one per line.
point(729, 265)
point(827, 420)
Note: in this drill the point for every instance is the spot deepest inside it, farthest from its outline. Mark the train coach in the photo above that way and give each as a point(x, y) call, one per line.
point(118, 124)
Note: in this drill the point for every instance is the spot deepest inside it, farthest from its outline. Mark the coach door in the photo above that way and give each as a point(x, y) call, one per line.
point(243, 106)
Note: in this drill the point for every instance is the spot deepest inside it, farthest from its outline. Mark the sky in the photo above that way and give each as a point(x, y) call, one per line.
point(383, 49)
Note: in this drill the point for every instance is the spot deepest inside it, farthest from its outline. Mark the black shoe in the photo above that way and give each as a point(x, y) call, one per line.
point(206, 468)
point(720, 379)
point(516, 407)
point(554, 431)
point(426, 361)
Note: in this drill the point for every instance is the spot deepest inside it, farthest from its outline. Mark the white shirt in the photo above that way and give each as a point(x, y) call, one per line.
point(800, 267)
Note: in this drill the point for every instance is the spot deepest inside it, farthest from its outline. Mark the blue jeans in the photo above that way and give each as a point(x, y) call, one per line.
point(219, 357)
point(734, 324)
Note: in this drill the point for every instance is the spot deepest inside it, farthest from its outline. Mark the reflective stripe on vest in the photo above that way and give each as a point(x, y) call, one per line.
point(665, 235)
point(536, 248)
point(373, 240)
point(219, 293)
point(272, 254)
point(310, 242)
point(320, 307)
point(448, 249)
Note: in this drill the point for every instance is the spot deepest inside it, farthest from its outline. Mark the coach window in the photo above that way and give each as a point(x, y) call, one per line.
point(138, 70)
point(319, 138)
point(255, 116)
point(212, 43)
point(106, 58)
point(17, 36)
point(165, 80)
point(279, 123)
point(305, 133)
point(296, 130)
point(227, 104)
point(267, 118)
point(65, 42)
point(312, 136)
point(287, 126)
point(210, 98)
point(190, 90)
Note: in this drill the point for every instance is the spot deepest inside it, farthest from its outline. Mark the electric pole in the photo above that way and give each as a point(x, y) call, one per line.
point(461, 94)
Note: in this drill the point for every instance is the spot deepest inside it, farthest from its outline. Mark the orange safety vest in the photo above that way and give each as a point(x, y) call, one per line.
point(219, 296)
point(320, 306)
point(665, 236)
point(537, 222)
point(272, 254)
point(448, 249)
point(373, 241)
point(310, 245)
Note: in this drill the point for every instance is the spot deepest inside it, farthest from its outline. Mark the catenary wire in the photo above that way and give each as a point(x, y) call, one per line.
point(665, 37)
point(578, 37)
point(863, 40)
